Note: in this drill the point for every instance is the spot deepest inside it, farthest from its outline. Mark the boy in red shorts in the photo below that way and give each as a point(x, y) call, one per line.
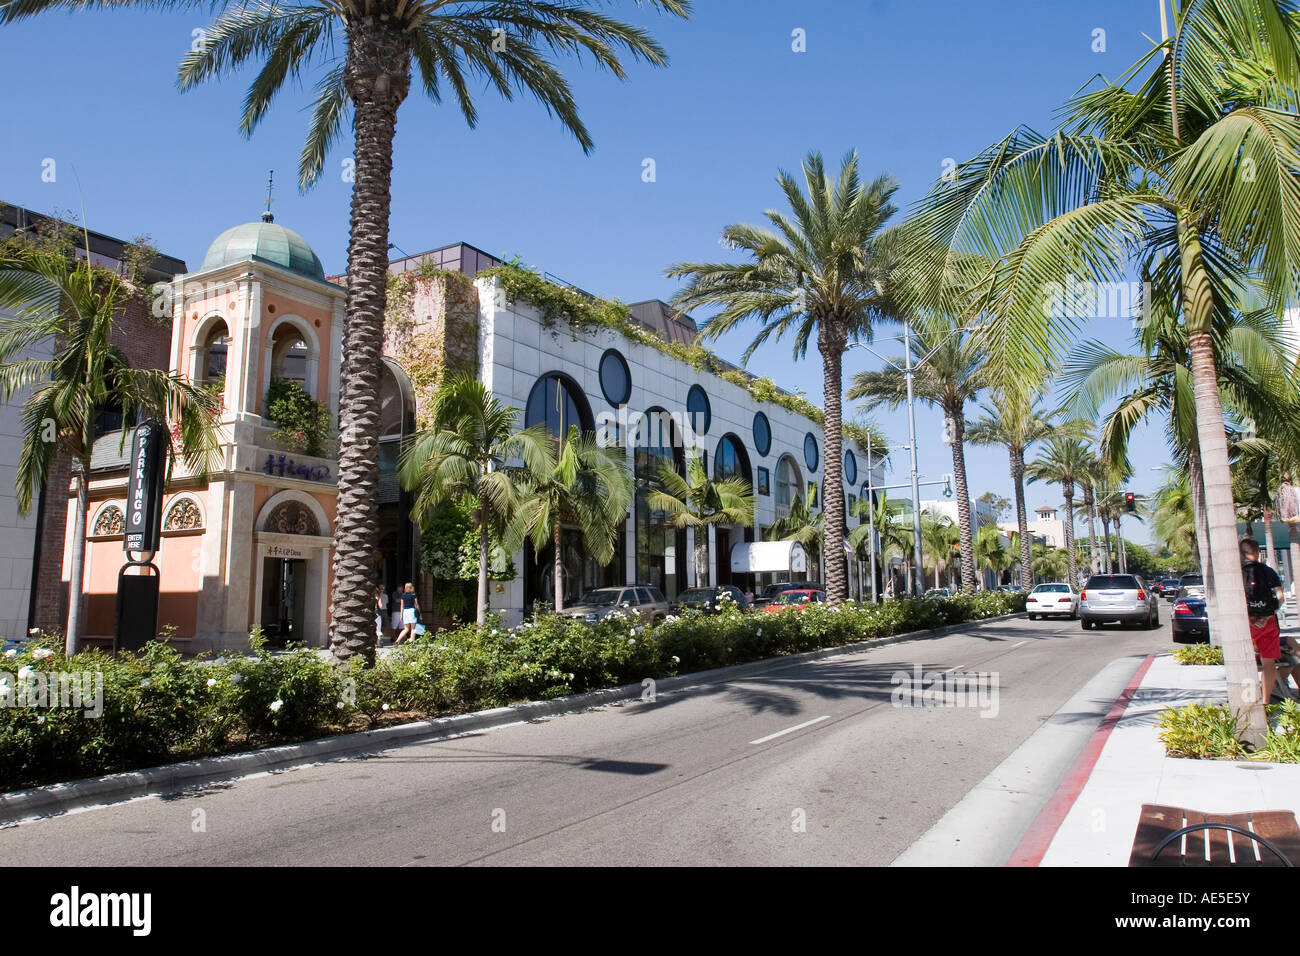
point(1263, 598)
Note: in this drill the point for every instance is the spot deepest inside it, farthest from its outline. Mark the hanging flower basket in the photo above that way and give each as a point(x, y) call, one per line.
point(1288, 503)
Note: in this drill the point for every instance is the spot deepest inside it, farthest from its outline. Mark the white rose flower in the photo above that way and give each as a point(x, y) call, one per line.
point(385, 707)
point(212, 682)
point(42, 652)
point(339, 705)
point(236, 678)
point(40, 720)
point(276, 705)
point(24, 672)
point(676, 659)
point(146, 683)
point(11, 653)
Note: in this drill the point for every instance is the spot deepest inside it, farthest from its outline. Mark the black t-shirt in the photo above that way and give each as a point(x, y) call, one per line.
point(1266, 580)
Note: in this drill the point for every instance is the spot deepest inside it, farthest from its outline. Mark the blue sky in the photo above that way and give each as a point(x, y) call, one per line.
point(908, 85)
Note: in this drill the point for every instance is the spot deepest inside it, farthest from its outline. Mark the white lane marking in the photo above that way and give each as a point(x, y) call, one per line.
point(1021, 644)
point(790, 730)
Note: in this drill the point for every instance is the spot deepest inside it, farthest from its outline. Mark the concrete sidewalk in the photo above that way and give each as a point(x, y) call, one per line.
point(1133, 769)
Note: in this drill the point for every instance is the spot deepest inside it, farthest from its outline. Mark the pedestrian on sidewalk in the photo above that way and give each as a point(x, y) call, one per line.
point(410, 613)
point(381, 609)
point(1263, 598)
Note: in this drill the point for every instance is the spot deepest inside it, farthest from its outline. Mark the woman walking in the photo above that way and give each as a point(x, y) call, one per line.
point(410, 611)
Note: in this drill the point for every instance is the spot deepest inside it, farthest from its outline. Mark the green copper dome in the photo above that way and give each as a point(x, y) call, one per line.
point(267, 242)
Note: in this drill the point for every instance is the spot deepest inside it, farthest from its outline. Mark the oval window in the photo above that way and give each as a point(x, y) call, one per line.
point(811, 453)
point(615, 379)
point(850, 468)
point(762, 434)
point(697, 407)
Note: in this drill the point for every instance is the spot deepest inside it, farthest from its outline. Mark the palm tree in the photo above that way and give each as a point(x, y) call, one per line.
point(54, 298)
point(698, 501)
point(990, 553)
point(824, 274)
point(1050, 563)
point(1186, 165)
point(466, 453)
point(1173, 521)
point(584, 483)
point(1016, 420)
point(454, 47)
point(949, 372)
point(939, 536)
point(1063, 461)
point(894, 533)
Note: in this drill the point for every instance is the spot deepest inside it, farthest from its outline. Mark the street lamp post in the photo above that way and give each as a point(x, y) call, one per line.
point(908, 372)
point(871, 522)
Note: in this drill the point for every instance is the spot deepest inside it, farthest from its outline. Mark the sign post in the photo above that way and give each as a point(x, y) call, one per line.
point(136, 621)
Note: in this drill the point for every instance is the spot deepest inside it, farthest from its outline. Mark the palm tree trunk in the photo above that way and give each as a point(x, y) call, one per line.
point(1069, 535)
point(1090, 504)
point(1229, 589)
point(1106, 566)
point(1294, 547)
point(957, 428)
point(830, 342)
point(558, 567)
point(482, 567)
point(1196, 479)
point(80, 477)
point(1022, 519)
point(377, 76)
point(1271, 557)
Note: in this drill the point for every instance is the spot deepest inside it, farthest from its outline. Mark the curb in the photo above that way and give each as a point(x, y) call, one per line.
point(20, 806)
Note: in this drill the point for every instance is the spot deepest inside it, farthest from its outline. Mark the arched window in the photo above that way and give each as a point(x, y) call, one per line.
point(557, 402)
point(292, 517)
point(731, 460)
point(660, 548)
point(289, 357)
point(789, 483)
point(109, 522)
point(212, 360)
point(183, 514)
point(396, 421)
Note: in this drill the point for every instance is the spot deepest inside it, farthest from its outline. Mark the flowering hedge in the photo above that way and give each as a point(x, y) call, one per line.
point(156, 706)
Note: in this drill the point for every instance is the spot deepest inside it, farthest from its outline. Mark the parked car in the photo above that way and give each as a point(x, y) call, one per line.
point(772, 590)
point(1122, 598)
point(708, 599)
point(1191, 621)
point(797, 598)
point(1052, 600)
point(1169, 589)
point(647, 603)
point(939, 593)
point(1012, 588)
point(1191, 585)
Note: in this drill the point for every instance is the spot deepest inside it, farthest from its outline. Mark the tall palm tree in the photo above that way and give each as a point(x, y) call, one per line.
point(698, 501)
point(823, 274)
point(1185, 164)
point(949, 372)
point(53, 298)
point(467, 452)
point(1173, 522)
point(1063, 461)
point(583, 483)
point(1015, 420)
point(453, 47)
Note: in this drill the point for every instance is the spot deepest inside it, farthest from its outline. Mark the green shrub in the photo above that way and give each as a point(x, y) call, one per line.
point(1198, 654)
point(1210, 731)
point(302, 423)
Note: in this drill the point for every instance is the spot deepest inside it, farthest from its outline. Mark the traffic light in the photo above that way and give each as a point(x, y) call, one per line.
point(1130, 501)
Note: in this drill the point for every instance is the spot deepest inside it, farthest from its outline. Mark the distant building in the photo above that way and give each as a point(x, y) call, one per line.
point(33, 580)
point(1047, 526)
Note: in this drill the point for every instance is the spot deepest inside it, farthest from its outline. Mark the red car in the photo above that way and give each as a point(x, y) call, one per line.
point(796, 599)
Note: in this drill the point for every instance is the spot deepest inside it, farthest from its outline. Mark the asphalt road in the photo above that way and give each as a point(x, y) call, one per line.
point(807, 764)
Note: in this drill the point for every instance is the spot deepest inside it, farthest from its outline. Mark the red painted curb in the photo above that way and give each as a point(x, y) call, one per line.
point(1033, 845)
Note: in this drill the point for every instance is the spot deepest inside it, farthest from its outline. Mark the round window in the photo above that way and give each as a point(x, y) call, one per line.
point(615, 379)
point(810, 451)
point(697, 407)
point(850, 467)
point(762, 434)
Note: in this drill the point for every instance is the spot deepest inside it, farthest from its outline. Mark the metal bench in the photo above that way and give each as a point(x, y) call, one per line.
point(1175, 836)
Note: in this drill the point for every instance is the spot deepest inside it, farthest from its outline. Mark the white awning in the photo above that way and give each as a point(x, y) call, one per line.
point(762, 557)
